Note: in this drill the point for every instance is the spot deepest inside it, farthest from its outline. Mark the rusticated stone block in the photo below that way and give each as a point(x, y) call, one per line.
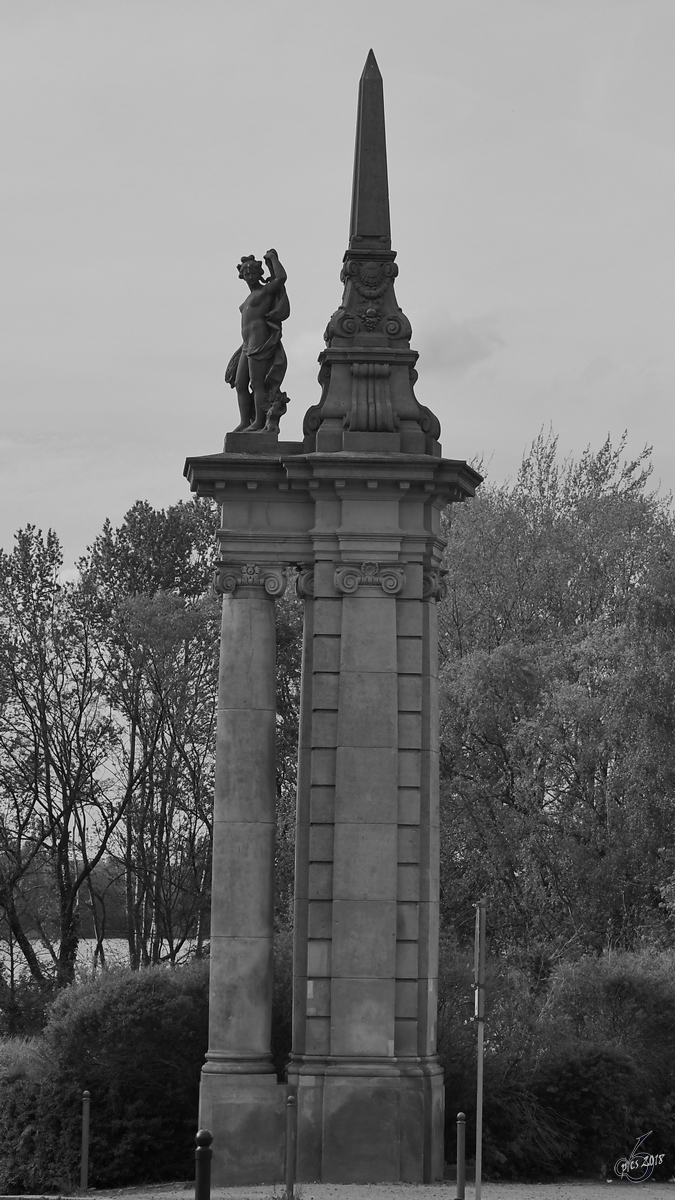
point(362, 1017)
point(321, 843)
point(322, 804)
point(320, 919)
point(326, 653)
point(410, 693)
point(409, 765)
point(318, 958)
point(320, 881)
point(328, 615)
point(408, 806)
point(325, 690)
point(408, 882)
point(407, 921)
point(323, 767)
point(409, 656)
point(364, 938)
point(364, 862)
point(408, 844)
point(406, 960)
point(368, 709)
point(366, 784)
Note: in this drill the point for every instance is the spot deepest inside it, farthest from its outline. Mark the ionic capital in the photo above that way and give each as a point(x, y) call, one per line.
point(434, 586)
point(304, 585)
point(389, 577)
point(271, 578)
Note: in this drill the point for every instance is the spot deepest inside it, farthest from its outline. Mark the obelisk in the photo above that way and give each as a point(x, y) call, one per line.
point(356, 507)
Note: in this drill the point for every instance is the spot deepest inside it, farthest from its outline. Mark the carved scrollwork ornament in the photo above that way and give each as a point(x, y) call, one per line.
point(304, 584)
point(434, 586)
point(349, 578)
point(230, 576)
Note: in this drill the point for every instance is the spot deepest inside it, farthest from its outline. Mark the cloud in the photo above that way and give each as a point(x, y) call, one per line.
point(458, 345)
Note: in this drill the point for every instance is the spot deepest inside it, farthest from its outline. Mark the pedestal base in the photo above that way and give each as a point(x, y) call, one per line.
point(246, 1115)
point(357, 1128)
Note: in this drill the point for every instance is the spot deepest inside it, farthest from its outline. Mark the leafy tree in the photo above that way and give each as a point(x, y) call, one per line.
point(159, 624)
point(58, 805)
point(558, 707)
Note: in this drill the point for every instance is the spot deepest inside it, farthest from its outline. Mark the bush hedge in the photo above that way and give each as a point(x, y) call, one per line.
point(576, 1067)
point(136, 1041)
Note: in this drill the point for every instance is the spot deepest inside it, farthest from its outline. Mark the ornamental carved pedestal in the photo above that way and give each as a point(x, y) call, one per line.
point(355, 509)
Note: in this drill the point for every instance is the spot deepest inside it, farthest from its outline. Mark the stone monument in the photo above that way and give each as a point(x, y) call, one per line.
point(355, 508)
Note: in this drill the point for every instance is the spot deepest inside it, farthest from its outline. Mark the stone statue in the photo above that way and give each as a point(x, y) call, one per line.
point(258, 367)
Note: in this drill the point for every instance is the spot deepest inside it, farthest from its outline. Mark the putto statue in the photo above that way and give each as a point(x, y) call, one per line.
point(259, 365)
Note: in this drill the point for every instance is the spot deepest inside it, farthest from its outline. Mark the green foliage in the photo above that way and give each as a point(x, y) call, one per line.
point(154, 550)
point(558, 708)
point(577, 1065)
point(289, 618)
point(136, 1041)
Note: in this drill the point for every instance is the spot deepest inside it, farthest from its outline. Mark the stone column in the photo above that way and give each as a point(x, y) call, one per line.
point(238, 1094)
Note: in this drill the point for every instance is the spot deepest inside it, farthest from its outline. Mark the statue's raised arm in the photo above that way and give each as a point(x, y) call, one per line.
point(259, 365)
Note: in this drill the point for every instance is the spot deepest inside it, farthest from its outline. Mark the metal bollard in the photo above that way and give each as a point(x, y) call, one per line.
point(461, 1155)
point(84, 1157)
point(291, 1138)
point(203, 1156)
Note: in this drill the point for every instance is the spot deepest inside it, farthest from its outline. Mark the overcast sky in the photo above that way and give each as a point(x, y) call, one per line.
point(147, 144)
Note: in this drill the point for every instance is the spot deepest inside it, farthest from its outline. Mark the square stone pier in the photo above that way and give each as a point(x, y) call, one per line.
point(363, 529)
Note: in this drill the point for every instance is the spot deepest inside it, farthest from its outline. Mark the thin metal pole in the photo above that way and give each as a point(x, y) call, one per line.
point(479, 1112)
point(203, 1156)
point(84, 1157)
point(461, 1155)
point(291, 1137)
point(479, 974)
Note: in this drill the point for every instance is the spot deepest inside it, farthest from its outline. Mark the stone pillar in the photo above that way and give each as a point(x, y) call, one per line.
point(239, 1096)
point(358, 504)
point(370, 1101)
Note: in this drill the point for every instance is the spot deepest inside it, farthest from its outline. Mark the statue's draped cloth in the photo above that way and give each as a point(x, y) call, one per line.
point(271, 348)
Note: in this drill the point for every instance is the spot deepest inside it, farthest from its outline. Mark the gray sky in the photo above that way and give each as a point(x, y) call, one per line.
point(147, 144)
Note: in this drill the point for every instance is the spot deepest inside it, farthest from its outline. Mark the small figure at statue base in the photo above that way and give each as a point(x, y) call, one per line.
point(258, 367)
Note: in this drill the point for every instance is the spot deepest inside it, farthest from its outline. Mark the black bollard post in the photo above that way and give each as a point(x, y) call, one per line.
point(84, 1156)
point(291, 1136)
point(203, 1156)
point(461, 1155)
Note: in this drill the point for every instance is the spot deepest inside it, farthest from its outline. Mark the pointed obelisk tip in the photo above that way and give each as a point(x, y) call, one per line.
point(369, 227)
point(371, 69)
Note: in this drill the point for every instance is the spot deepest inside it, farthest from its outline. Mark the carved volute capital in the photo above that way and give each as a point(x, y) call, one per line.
point(304, 585)
point(369, 304)
point(349, 578)
point(434, 586)
point(270, 578)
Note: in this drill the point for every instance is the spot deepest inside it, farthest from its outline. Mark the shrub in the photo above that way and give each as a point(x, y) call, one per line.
point(575, 1070)
point(136, 1041)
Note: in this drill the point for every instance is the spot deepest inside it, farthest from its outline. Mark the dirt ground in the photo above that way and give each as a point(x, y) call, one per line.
point(566, 1190)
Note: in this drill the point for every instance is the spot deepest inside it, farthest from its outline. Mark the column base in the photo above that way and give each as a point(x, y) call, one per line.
point(246, 1115)
point(368, 1124)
